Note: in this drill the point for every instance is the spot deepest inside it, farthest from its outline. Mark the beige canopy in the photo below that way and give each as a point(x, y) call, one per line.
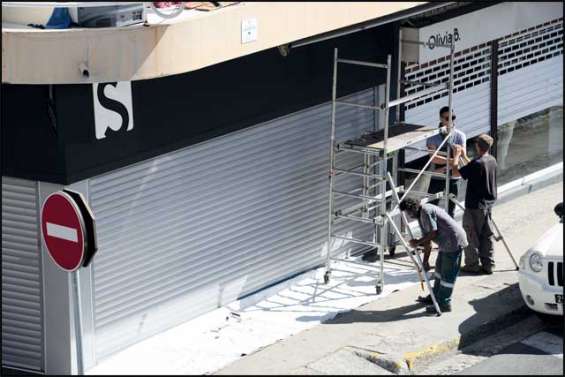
point(189, 42)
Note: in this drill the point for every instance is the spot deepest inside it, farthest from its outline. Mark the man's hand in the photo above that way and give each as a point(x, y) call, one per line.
point(413, 243)
point(458, 151)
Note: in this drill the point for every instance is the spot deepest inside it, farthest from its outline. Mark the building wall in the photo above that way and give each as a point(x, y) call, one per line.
point(177, 111)
point(530, 79)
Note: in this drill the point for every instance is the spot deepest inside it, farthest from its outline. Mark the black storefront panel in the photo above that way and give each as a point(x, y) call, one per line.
point(177, 111)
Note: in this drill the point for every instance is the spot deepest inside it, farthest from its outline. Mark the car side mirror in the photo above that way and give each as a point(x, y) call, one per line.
point(559, 210)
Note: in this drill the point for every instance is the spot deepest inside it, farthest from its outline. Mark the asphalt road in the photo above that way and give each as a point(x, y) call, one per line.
point(532, 346)
point(538, 354)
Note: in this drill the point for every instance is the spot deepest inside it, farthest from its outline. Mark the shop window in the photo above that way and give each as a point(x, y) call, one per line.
point(524, 146)
point(530, 144)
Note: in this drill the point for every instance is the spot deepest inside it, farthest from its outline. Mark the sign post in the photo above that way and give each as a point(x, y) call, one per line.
point(69, 233)
point(78, 322)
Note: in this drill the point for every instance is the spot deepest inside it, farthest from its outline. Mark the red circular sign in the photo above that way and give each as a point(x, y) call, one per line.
point(63, 231)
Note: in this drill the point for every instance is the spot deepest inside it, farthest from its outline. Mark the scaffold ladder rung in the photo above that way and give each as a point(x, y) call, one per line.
point(356, 196)
point(355, 208)
point(374, 207)
point(356, 149)
point(356, 240)
point(366, 220)
point(351, 172)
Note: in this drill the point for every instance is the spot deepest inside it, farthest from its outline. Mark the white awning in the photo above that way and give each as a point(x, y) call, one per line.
point(34, 56)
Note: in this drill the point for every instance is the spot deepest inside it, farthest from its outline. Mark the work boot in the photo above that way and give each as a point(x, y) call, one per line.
point(445, 308)
point(471, 269)
point(487, 270)
point(425, 300)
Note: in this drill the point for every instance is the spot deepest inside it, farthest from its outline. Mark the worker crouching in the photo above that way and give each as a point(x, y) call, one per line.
point(438, 226)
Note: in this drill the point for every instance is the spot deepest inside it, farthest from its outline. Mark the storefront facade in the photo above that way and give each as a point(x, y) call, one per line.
point(210, 185)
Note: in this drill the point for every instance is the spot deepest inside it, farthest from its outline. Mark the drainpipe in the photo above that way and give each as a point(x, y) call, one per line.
point(494, 95)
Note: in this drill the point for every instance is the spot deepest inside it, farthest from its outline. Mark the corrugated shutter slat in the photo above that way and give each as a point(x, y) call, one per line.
point(186, 232)
point(22, 312)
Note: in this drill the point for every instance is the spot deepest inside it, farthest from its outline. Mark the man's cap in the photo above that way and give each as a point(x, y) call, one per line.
point(485, 141)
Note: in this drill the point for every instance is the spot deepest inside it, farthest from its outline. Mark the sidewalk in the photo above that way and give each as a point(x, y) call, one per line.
point(393, 334)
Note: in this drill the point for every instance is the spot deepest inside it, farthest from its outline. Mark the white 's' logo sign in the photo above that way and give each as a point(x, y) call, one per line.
point(113, 111)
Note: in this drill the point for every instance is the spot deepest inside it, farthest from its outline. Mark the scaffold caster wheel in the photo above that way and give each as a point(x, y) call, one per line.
point(391, 251)
point(379, 289)
point(327, 277)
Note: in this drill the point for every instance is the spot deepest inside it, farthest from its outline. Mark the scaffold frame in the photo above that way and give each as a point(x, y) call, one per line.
point(378, 148)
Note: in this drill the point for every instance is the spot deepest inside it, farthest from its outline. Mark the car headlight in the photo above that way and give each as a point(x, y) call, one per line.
point(522, 262)
point(536, 262)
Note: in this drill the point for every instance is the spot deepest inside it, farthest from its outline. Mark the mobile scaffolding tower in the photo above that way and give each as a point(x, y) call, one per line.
point(376, 204)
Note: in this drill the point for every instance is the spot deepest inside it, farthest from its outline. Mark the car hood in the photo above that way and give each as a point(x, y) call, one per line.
point(550, 244)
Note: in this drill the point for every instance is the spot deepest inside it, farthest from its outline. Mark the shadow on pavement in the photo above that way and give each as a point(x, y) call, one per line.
point(375, 316)
point(489, 318)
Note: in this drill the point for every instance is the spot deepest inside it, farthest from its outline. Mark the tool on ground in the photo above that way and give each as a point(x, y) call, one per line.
point(497, 237)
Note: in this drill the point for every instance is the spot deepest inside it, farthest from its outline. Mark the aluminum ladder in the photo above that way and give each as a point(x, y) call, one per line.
point(377, 206)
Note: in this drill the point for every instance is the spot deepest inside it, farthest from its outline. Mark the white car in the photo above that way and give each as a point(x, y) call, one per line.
point(541, 271)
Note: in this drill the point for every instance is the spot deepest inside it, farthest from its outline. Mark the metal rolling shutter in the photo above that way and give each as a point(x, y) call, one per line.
point(22, 309)
point(530, 71)
point(471, 93)
point(192, 230)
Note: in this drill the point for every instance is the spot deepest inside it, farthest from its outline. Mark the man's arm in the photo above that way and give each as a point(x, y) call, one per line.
point(437, 159)
point(455, 163)
point(427, 238)
point(429, 229)
point(463, 147)
point(463, 171)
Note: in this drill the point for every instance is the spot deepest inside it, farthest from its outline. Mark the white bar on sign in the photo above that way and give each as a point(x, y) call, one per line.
point(63, 232)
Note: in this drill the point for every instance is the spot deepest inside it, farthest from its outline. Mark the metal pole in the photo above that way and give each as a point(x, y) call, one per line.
point(78, 322)
point(332, 167)
point(419, 267)
point(417, 261)
point(500, 236)
point(423, 170)
point(450, 105)
point(399, 73)
point(387, 110)
point(436, 306)
point(384, 162)
point(494, 96)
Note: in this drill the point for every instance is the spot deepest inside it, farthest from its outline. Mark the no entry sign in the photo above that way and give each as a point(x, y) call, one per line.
point(65, 231)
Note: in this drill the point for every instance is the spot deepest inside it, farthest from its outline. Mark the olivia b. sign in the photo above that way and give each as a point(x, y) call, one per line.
point(477, 27)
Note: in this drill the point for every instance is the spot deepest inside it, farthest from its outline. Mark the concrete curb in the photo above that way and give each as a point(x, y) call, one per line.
point(429, 352)
point(406, 362)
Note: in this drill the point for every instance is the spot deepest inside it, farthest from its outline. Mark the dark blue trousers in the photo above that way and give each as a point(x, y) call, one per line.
point(446, 271)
